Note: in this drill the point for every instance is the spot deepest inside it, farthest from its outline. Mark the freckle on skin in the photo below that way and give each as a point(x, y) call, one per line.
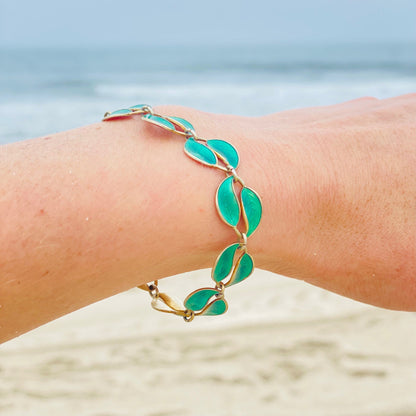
point(41, 211)
point(47, 138)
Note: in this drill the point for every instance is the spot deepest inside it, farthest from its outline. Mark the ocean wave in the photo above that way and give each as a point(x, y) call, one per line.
point(37, 113)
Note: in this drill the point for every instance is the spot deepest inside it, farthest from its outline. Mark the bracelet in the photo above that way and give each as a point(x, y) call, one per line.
point(229, 268)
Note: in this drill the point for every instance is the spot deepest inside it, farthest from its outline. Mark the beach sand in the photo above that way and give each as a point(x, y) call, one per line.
point(283, 348)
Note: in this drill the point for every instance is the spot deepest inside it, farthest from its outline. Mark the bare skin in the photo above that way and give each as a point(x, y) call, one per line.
point(93, 211)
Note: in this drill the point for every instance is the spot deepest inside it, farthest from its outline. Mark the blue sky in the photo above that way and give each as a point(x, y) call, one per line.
point(104, 22)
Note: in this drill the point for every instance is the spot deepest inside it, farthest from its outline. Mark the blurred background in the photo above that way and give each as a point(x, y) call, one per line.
point(284, 347)
point(63, 64)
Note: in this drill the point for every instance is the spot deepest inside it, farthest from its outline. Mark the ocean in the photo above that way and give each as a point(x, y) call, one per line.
point(48, 90)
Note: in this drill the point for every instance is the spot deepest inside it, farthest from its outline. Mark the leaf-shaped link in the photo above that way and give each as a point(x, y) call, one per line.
point(224, 263)
point(252, 209)
point(159, 121)
point(226, 150)
point(227, 203)
point(165, 303)
point(242, 269)
point(182, 123)
point(200, 152)
point(199, 298)
point(216, 307)
point(124, 112)
point(171, 302)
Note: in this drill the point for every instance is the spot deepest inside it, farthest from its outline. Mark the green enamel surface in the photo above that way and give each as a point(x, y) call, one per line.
point(227, 203)
point(226, 150)
point(198, 299)
point(244, 269)
point(186, 125)
point(200, 152)
point(224, 263)
point(119, 113)
point(159, 121)
point(218, 307)
point(252, 209)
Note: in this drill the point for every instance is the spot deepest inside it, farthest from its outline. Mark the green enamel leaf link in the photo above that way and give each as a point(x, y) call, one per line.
point(224, 263)
point(200, 152)
point(227, 202)
point(217, 307)
point(252, 209)
point(243, 269)
point(226, 150)
point(118, 113)
point(198, 299)
point(182, 123)
point(159, 121)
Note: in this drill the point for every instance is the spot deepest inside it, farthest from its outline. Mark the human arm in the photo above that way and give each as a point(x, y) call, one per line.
point(93, 211)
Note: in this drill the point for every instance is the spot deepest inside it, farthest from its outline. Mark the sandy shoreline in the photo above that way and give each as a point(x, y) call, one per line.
point(103, 360)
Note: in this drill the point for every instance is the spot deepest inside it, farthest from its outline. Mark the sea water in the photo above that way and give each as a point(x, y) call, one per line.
point(43, 90)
